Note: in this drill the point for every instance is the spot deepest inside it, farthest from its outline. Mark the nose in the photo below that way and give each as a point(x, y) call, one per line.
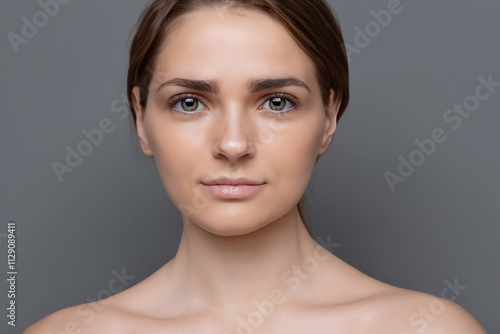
point(234, 139)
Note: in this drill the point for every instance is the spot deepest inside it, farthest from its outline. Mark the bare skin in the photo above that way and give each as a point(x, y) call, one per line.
point(247, 265)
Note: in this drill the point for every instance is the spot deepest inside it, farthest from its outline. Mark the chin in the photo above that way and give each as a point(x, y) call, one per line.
point(231, 231)
point(233, 223)
point(230, 226)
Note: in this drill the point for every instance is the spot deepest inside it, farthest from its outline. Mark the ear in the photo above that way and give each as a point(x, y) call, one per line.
point(141, 132)
point(332, 111)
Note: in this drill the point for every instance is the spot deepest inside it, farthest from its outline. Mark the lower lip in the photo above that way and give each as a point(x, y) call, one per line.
point(233, 192)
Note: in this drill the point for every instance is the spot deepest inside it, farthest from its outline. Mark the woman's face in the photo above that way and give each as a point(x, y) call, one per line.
point(234, 96)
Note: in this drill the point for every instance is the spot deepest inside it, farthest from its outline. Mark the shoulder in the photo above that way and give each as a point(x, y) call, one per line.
point(93, 317)
point(119, 313)
point(362, 303)
point(410, 311)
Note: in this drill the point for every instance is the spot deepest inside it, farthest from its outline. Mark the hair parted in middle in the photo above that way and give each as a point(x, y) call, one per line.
point(311, 23)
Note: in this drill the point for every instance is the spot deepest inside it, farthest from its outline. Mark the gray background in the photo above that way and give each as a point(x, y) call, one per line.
point(112, 212)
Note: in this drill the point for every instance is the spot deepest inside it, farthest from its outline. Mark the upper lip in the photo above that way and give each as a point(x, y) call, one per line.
point(233, 182)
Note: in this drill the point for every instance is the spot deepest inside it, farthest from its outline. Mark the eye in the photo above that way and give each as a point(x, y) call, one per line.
point(280, 103)
point(186, 103)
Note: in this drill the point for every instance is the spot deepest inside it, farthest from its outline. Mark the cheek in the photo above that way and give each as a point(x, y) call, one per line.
point(294, 154)
point(176, 154)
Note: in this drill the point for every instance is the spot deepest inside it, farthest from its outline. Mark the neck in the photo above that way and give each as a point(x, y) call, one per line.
point(214, 271)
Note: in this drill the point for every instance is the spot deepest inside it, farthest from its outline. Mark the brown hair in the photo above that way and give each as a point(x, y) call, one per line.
point(311, 24)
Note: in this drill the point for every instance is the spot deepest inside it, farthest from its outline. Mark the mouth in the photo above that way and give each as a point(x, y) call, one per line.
point(227, 188)
point(241, 181)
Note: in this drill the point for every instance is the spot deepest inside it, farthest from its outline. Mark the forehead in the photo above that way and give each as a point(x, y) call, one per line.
point(212, 41)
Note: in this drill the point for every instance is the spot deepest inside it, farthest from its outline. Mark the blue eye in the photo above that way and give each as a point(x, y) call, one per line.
point(277, 104)
point(280, 104)
point(187, 104)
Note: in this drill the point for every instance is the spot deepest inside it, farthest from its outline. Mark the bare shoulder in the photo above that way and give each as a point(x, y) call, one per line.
point(115, 314)
point(95, 317)
point(412, 311)
point(362, 304)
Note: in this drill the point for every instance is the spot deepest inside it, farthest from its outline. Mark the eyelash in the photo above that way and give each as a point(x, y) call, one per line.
point(289, 98)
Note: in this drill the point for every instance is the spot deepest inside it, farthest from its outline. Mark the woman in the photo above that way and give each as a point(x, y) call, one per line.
point(236, 100)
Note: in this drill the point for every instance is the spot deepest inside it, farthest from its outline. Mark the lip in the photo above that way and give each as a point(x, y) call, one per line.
point(232, 182)
point(228, 188)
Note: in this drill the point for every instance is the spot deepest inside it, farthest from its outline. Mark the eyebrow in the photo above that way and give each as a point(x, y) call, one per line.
point(254, 85)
